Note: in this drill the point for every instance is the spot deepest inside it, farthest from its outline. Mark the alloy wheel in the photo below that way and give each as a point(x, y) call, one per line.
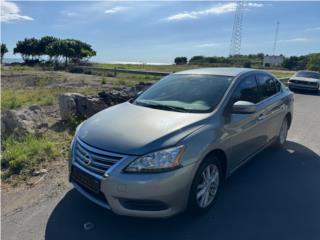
point(208, 185)
point(283, 132)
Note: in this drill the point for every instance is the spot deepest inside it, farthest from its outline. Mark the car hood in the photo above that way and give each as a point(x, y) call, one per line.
point(305, 79)
point(135, 130)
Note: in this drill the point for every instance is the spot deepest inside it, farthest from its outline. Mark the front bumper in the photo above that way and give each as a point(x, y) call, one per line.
point(303, 86)
point(157, 194)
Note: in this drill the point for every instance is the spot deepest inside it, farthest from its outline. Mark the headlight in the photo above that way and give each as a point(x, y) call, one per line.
point(158, 161)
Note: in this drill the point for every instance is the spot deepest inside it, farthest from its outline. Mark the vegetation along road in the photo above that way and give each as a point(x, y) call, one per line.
point(275, 196)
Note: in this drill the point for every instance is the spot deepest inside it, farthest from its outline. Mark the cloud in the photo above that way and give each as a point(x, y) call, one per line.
point(181, 16)
point(116, 10)
point(250, 4)
point(69, 13)
point(219, 9)
point(215, 10)
point(313, 29)
point(207, 45)
point(10, 12)
point(294, 40)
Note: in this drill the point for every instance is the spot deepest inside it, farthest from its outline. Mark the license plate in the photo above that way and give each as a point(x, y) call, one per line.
point(85, 179)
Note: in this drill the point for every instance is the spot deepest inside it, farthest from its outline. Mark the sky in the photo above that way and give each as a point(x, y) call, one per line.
point(158, 31)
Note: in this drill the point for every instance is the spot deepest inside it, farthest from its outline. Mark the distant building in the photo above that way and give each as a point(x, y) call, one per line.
point(272, 60)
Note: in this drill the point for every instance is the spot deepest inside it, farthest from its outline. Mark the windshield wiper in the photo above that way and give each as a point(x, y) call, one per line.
point(162, 107)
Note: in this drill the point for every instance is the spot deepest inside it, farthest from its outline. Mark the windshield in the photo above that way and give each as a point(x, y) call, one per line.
point(308, 75)
point(186, 93)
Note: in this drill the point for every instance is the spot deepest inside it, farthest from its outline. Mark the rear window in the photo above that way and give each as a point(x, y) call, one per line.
point(308, 74)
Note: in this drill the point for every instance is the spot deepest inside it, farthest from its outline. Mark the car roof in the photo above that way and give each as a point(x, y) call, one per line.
point(221, 71)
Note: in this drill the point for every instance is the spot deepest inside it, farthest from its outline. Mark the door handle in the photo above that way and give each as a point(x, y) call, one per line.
point(261, 117)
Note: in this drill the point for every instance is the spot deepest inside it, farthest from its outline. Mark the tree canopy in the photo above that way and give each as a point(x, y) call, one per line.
point(67, 50)
point(310, 62)
point(180, 60)
point(4, 50)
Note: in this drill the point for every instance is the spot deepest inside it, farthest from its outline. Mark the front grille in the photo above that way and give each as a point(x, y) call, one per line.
point(93, 159)
point(303, 82)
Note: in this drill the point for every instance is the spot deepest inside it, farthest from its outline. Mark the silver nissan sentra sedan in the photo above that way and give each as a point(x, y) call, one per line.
point(171, 147)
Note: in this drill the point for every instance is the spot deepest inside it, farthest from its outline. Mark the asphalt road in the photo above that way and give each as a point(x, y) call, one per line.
point(274, 196)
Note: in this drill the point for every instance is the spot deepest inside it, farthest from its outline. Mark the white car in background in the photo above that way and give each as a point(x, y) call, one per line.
point(305, 80)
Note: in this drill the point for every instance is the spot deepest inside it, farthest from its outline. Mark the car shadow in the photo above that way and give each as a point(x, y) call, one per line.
point(275, 196)
point(306, 92)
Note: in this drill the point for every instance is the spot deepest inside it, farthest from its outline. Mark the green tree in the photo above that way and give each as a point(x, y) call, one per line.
point(28, 48)
point(54, 50)
point(70, 50)
point(291, 62)
point(4, 50)
point(180, 60)
point(247, 64)
point(314, 62)
point(197, 59)
point(44, 42)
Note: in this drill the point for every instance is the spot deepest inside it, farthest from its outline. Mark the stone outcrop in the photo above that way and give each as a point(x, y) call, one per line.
point(75, 104)
point(30, 120)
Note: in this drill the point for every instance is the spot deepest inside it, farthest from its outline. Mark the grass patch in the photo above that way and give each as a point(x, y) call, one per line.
point(282, 74)
point(162, 68)
point(174, 68)
point(127, 79)
point(21, 68)
point(11, 99)
point(21, 156)
point(73, 122)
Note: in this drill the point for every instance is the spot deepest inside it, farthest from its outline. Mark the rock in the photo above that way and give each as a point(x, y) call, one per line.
point(40, 172)
point(23, 121)
point(67, 105)
point(124, 94)
point(85, 106)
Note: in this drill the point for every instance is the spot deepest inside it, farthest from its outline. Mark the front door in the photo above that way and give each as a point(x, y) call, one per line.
point(244, 135)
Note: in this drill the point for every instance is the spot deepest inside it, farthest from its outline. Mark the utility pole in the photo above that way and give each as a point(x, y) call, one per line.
point(275, 38)
point(235, 44)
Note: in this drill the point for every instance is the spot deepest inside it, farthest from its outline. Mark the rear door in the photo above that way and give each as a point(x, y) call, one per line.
point(271, 104)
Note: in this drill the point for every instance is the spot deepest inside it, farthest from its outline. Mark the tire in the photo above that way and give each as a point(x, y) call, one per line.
point(283, 133)
point(198, 205)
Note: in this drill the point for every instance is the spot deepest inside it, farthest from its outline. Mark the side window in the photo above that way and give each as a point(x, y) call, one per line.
point(267, 86)
point(247, 90)
point(278, 84)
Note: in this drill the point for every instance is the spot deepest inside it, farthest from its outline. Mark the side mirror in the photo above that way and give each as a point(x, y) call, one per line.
point(134, 98)
point(243, 107)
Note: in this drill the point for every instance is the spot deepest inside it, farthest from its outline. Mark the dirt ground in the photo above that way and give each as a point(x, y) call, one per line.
point(35, 190)
point(18, 192)
point(32, 78)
